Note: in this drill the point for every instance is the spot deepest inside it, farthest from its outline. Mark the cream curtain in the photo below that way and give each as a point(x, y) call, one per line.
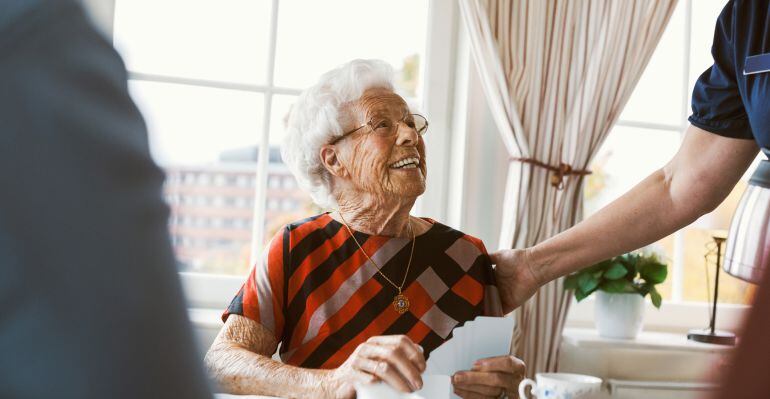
point(556, 74)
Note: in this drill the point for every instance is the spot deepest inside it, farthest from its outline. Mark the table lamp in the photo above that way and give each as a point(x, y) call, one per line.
point(718, 221)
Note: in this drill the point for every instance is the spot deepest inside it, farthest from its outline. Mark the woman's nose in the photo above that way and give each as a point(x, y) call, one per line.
point(406, 135)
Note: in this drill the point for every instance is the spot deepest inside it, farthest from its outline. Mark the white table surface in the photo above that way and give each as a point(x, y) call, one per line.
point(228, 396)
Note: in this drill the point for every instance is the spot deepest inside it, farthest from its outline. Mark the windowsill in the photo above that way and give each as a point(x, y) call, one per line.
point(655, 357)
point(589, 338)
point(205, 318)
point(673, 317)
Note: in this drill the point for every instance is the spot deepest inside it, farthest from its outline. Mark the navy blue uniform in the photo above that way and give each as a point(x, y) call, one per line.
point(724, 100)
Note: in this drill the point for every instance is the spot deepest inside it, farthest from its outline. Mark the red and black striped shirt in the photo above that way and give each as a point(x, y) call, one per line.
point(321, 297)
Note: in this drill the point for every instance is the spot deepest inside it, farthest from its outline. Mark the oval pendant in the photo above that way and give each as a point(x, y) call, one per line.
point(401, 303)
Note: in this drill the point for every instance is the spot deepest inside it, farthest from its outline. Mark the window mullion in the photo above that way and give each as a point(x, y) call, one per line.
point(677, 283)
point(151, 77)
point(686, 63)
point(258, 224)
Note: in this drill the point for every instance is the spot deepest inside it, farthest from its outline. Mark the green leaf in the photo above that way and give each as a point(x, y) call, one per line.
point(571, 282)
point(628, 265)
point(616, 271)
point(655, 297)
point(587, 283)
point(599, 267)
point(617, 286)
point(632, 259)
point(654, 273)
point(580, 295)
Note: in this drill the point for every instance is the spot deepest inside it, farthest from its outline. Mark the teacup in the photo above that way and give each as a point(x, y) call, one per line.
point(561, 386)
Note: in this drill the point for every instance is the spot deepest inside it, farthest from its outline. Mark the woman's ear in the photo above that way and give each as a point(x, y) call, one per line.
point(331, 161)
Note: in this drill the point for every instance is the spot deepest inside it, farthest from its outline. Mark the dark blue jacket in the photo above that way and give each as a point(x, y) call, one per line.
point(90, 303)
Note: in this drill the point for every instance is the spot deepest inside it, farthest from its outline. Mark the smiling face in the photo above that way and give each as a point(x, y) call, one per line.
point(368, 162)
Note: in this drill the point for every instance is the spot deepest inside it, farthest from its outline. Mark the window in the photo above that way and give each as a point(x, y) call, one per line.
point(272, 204)
point(219, 180)
point(289, 183)
point(648, 134)
point(243, 181)
point(214, 80)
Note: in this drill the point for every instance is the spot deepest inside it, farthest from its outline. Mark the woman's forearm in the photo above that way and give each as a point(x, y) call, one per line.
point(240, 371)
point(697, 179)
point(239, 362)
point(642, 216)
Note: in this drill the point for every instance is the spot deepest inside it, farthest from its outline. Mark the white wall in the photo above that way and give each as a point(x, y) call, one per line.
point(485, 171)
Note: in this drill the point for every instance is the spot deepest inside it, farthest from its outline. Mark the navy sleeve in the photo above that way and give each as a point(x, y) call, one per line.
point(717, 106)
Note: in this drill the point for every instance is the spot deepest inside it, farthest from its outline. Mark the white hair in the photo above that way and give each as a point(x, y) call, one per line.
point(313, 121)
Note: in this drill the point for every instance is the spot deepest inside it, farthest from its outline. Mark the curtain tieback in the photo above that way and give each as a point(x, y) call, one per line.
point(559, 172)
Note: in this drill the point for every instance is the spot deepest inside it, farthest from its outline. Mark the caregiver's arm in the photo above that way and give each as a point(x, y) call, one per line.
point(240, 362)
point(694, 182)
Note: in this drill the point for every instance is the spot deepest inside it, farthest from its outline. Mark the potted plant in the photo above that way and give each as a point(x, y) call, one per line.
point(621, 283)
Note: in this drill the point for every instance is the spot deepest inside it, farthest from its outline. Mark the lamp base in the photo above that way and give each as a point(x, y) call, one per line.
point(706, 336)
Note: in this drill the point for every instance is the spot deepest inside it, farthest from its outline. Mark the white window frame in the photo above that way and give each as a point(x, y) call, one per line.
point(683, 311)
point(213, 291)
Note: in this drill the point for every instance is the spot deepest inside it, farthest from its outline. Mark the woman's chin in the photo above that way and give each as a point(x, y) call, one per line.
point(410, 189)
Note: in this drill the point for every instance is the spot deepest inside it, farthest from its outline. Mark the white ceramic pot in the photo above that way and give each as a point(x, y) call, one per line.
point(619, 316)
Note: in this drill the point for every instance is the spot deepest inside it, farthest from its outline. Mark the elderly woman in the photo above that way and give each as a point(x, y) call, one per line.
point(364, 293)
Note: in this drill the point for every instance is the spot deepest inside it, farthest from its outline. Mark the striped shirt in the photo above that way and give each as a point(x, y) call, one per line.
point(316, 291)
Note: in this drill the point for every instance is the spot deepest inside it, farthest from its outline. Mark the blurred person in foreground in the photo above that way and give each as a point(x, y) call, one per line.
point(90, 305)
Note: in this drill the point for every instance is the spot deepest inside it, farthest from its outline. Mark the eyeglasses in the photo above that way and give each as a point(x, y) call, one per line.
point(386, 127)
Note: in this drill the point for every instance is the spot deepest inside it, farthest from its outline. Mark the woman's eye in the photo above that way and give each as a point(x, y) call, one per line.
point(410, 124)
point(383, 125)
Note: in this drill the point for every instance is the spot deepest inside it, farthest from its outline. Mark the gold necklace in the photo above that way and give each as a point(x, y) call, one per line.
point(400, 301)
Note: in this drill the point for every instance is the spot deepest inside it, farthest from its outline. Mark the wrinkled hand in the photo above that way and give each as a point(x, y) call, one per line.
point(515, 277)
point(394, 359)
point(490, 378)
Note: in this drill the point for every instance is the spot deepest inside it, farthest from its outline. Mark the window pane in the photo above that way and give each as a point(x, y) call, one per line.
point(704, 18)
point(193, 125)
point(204, 138)
point(286, 201)
point(316, 36)
point(204, 39)
point(665, 247)
point(626, 158)
point(700, 264)
point(658, 96)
